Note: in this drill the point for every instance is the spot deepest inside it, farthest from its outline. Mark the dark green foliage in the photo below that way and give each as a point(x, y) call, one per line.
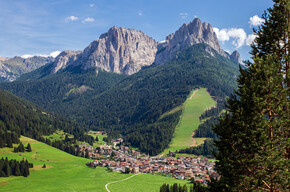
point(87, 154)
point(207, 149)
point(254, 145)
point(127, 170)
point(7, 138)
point(21, 147)
point(29, 149)
point(20, 117)
point(195, 187)
point(211, 116)
point(63, 93)
point(205, 129)
point(134, 106)
point(13, 167)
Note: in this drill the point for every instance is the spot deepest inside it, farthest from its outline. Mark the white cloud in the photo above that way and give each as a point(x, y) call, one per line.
point(89, 19)
point(256, 20)
point(238, 35)
point(222, 35)
point(55, 54)
point(183, 15)
point(52, 54)
point(71, 18)
point(250, 39)
point(140, 13)
point(92, 5)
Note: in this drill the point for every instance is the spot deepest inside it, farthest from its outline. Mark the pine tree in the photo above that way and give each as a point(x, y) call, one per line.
point(253, 145)
point(87, 154)
point(15, 150)
point(6, 169)
point(9, 140)
point(28, 147)
point(16, 170)
point(21, 147)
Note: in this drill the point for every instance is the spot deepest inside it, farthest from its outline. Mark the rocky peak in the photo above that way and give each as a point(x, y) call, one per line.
point(120, 50)
point(235, 56)
point(186, 36)
point(12, 68)
point(64, 59)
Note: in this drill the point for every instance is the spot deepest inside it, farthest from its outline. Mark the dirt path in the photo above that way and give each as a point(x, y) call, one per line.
point(193, 94)
point(193, 133)
point(106, 186)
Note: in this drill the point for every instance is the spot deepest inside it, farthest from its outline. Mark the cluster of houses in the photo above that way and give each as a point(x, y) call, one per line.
point(125, 159)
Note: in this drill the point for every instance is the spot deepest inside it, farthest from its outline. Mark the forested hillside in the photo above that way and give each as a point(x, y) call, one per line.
point(20, 117)
point(62, 92)
point(134, 106)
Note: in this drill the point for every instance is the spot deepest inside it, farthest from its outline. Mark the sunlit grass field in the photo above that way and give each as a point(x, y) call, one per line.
point(66, 172)
point(193, 107)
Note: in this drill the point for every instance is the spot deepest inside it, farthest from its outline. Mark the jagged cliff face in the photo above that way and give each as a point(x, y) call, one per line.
point(126, 51)
point(5, 73)
point(235, 56)
point(186, 36)
point(65, 59)
point(120, 50)
point(12, 68)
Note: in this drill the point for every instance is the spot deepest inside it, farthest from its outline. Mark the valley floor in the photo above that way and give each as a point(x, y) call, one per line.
point(65, 172)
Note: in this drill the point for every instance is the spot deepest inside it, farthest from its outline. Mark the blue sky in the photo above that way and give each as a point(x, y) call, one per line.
point(38, 27)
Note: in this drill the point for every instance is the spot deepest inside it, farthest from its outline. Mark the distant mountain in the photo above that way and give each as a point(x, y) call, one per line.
point(235, 56)
point(187, 35)
point(12, 68)
point(132, 105)
point(126, 51)
point(120, 50)
point(112, 84)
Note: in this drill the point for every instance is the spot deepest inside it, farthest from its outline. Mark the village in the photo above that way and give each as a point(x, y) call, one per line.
point(126, 160)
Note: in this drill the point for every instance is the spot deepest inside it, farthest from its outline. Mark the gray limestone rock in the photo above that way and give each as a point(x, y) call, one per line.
point(235, 56)
point(12, 68)
point(120, 50)
point(186, 36)
point(65, 59)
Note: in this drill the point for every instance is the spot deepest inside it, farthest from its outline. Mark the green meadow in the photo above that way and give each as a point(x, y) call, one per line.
point(197, 102)
point(100, 138)
point(65, 172)
point(58, 135)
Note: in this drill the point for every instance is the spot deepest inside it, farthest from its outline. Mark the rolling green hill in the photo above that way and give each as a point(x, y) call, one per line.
point(132, 106)
point(65, 172)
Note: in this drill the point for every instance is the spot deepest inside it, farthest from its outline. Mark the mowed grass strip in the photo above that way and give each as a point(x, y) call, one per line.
point(66, 172)
point(193, 107)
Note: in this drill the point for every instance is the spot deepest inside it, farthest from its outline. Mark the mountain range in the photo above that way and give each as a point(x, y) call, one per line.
point(120, 50)
point(125, 82)
point(12, 68)
point(126, 51)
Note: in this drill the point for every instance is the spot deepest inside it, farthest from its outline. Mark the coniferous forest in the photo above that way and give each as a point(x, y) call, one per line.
point(253, 144)
point(14, 167)
point(20, 117)
point(133, 107)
